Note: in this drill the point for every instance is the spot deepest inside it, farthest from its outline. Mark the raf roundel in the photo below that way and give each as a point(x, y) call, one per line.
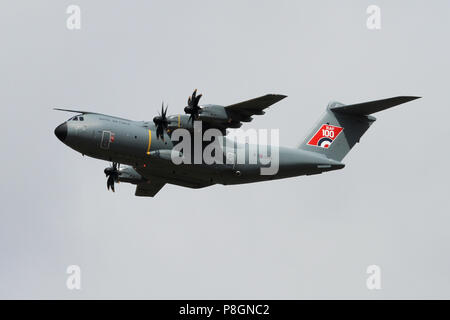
point(325, 142)
point(325, 136)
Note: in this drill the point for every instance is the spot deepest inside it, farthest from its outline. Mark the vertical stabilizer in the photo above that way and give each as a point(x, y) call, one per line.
point(341, 127)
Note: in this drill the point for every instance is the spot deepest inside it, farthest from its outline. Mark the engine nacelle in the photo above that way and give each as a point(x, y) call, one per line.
point(167, 154)
point(214, 115)
point(128, 174)
point(179, 121)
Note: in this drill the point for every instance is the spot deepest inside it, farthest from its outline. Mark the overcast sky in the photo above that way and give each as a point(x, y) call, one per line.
point(304, 237)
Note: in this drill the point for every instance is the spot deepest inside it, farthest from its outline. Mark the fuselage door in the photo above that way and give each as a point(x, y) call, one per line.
point(106, 140)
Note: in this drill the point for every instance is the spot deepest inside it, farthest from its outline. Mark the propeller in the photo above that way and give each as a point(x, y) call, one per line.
point(192, 108)
point(113, 175)
point(161, 122)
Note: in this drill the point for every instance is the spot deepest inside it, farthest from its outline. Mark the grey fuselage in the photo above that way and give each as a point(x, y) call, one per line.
point(135, 143)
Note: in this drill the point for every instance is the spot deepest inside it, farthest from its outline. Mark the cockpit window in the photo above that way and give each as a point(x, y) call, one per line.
point(76, 118)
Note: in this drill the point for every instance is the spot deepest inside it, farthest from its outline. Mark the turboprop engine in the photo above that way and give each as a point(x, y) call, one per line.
point(117, 174)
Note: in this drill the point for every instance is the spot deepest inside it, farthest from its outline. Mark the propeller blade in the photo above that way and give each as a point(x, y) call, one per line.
point(192, 108)
point(198, 99)
point(161, 122)
point(159, 132)
point(113, 175)
point(109, 182)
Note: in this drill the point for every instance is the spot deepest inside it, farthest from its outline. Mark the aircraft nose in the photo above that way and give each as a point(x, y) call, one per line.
point(61, 131)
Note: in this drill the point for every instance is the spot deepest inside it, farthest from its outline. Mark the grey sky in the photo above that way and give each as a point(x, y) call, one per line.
point(306, 237)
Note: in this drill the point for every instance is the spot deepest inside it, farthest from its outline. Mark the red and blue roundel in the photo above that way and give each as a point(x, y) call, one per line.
point(325, 136)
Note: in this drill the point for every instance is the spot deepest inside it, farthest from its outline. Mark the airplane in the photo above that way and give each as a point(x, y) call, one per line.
point(145, 148)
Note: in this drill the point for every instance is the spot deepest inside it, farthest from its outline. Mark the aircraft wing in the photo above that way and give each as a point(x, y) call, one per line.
point(256, 105)
point(149, 189)
point(243, 111)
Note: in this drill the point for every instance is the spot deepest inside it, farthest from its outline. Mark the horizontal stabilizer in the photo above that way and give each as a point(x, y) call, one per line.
point(370, 107)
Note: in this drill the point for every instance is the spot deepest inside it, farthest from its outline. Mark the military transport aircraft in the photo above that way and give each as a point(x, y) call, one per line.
point(145, 148)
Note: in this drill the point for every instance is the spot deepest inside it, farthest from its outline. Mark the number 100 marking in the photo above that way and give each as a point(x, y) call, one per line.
point(328, 133)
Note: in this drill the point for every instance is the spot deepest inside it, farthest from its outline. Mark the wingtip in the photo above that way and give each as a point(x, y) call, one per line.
point(279, 96)
point(410, 98)
point(60, 109)
point(70, 110)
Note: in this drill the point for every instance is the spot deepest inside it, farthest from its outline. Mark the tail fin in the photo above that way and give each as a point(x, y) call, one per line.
point(343, 125)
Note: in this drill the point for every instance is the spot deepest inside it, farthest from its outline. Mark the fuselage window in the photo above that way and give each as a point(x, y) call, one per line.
point(75, 119)
point(81, 118)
